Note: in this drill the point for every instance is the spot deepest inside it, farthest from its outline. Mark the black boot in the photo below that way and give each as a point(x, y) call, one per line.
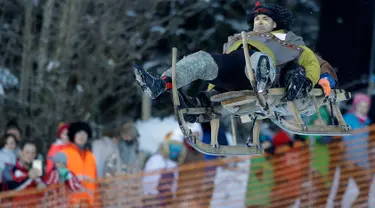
point(151, 86)
point(296, 83)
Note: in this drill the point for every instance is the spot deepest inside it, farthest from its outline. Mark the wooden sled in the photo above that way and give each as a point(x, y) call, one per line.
point(253, 107)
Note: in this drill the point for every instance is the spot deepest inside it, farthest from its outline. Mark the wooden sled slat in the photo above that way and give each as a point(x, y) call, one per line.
point(239, 101)
point(215, 148)
point(224, 150)
point(229, 95)
point(314, 130)
point(340, 94)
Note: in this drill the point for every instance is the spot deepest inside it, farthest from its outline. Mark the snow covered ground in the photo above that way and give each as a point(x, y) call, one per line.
point(231, 186)
point(153, 131)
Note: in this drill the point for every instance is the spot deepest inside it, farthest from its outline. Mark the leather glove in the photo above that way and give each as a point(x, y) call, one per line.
point(297, 84)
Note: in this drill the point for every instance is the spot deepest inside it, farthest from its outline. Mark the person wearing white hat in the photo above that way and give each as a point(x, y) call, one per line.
point(170, 154)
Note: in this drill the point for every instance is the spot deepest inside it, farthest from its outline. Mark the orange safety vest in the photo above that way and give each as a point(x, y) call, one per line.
point(82, 164)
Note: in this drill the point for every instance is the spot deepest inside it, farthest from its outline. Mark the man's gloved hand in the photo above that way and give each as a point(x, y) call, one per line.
point(327, 82)
point(324, 83)
point(297, 84)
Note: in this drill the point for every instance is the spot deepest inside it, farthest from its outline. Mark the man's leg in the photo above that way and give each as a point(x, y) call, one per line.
point(224, 70)
point(199, 65)
point(233, 75)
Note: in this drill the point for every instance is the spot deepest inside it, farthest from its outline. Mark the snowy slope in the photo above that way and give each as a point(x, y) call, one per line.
point(231, 186)
point(153, 131)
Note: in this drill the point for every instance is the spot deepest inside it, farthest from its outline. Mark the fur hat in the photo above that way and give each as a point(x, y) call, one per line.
point(283, 17)
point(76, 127)
point(128, 129)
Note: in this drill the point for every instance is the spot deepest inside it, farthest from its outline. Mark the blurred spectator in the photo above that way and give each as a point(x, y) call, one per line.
point(267, 131)
point(61, 174)
point(21, 175)
point(64, 180)
point(210, 171)
point(356, 145)
point(357, 118)
point(261, 180)
point(81, 162)
point(119, 155)
point(125, 157)
point(192, 156)
point(12, 128)
point(8, 154)
point(281, 138)
point(320, 151)
point(170, 154)
point(289, 166)
point(61, 141)
point(103, 147)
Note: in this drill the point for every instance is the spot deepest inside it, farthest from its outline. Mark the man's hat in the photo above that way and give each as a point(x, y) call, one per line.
point(128, 128)
point(283, 17)
point(76, 127)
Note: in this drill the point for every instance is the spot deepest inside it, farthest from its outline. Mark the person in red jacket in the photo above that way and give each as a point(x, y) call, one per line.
point(61, 141)
point(61, 174)
point(22, 176)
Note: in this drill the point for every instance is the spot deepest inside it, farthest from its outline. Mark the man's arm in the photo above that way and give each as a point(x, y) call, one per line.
point(325, 67)
point(308, 60)
point(14, 180)
point(294, 39)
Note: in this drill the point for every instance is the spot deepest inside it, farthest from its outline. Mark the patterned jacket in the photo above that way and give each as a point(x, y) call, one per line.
point(70, 180)
point(16, 177)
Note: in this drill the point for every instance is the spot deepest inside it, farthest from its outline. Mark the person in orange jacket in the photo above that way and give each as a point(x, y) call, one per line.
point(81, 162)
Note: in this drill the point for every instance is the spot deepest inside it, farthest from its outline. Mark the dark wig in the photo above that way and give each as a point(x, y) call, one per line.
point(283, 17)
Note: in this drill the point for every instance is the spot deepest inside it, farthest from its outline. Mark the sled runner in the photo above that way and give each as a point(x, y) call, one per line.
point(250, 106)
